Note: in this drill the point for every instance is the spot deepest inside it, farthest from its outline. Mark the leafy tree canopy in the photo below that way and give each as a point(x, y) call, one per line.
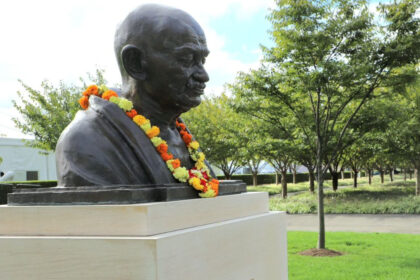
point(45, 113)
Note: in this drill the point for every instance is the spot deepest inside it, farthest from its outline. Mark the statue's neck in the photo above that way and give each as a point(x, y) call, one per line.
point(164, 118)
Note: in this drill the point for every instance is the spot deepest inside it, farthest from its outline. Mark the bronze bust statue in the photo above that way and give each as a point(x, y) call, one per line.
point(161, 53)
point(103, 156)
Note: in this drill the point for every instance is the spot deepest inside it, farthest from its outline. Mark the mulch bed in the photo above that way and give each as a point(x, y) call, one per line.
point(320, 253)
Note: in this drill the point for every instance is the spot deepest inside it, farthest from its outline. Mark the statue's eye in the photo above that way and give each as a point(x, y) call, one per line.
point(187, 59)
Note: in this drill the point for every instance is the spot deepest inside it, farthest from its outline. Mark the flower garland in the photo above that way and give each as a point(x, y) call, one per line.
point(198, 176)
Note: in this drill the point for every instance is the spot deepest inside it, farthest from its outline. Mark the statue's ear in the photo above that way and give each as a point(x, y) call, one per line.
point(133, 61)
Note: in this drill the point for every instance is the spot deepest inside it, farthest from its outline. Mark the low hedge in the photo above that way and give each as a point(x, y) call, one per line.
point(30, 184)
point(264, 179)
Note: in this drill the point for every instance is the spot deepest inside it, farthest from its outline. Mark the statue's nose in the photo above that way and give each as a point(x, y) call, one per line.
point(201, 75)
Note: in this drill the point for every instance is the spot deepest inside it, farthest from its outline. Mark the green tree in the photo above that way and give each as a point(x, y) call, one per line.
point(403, 137)
point(328, 60)
point(255, 144)
point(45, 113)
point(215, 126)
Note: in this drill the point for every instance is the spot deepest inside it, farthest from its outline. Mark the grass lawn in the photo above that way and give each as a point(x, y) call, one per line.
point(390, 198)
point(273, 189)
point(366, 256)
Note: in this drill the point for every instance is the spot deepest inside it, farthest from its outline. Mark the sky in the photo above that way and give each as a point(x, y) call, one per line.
point(63, 40)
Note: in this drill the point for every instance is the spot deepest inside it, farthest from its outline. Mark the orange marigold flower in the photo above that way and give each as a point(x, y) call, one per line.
point(108, 94)
point(176, 163)
point(131, 114)
point(182, 126)
point(214, 184)
point(162, 148)
point(153, 131)
point(84, 102)
point(166, 156)
point(91, 90)
point(187, 138)
point(215, 181)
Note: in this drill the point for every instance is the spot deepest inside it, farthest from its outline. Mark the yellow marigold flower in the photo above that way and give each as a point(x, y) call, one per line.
point(169, 164)
point(157, 141)
point(194, 145)
point(140, 120)
point(193, 154)
point(181, 174)
point(103, 88)
point(196, 183)
point(153, 131)
point(201, 157)
point(146, 126)
point(200, 165)
point(115, 100)
point(125, 104)
point(209, 193)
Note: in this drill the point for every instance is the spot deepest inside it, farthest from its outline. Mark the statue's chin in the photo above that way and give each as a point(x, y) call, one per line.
point(188, 102)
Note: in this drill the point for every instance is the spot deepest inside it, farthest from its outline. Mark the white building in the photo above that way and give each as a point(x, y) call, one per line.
point(23, 163)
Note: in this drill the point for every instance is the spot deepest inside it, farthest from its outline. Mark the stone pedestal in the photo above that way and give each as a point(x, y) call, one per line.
point(232, 237)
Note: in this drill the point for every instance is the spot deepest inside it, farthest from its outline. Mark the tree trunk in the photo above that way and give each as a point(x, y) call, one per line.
point(382, 176)
point(334, 176)
point(321, 216)
point(417, 180)
point(320, 181)
point(342, 174)
point(391, 174)
point(254, 179)
point(351, 175)
point(284, 184)
point(277, 178)
point(405, 174)
point(355, 179)
point(227, 174)
point(311, 181)
point(410, 172)
point(294, 175)
point(369, 172)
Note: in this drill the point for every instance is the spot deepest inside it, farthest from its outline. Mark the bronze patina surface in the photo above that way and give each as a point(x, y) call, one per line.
point(103, 156)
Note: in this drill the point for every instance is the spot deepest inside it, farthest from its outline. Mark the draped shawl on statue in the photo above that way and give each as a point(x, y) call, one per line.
point(102, 146)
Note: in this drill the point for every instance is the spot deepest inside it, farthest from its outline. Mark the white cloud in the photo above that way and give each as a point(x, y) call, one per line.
point(59, 40)
point(7, 126)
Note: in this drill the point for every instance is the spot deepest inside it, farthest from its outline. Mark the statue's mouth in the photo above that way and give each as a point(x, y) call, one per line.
point(195, 88)
point(197, 91)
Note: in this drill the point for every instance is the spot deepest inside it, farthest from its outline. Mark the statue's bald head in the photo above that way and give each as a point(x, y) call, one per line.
point(161, 53)
point(152, 27)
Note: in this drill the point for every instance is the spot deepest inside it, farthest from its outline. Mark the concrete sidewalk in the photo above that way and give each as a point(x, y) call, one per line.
point(356, 223)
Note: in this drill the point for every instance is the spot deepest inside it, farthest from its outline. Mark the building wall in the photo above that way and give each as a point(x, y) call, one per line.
point(20, 159)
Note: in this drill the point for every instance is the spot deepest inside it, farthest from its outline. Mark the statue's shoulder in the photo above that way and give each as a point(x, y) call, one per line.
point(87, 128)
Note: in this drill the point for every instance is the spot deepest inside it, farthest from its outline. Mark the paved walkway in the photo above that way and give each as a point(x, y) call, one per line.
point(356, 223)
